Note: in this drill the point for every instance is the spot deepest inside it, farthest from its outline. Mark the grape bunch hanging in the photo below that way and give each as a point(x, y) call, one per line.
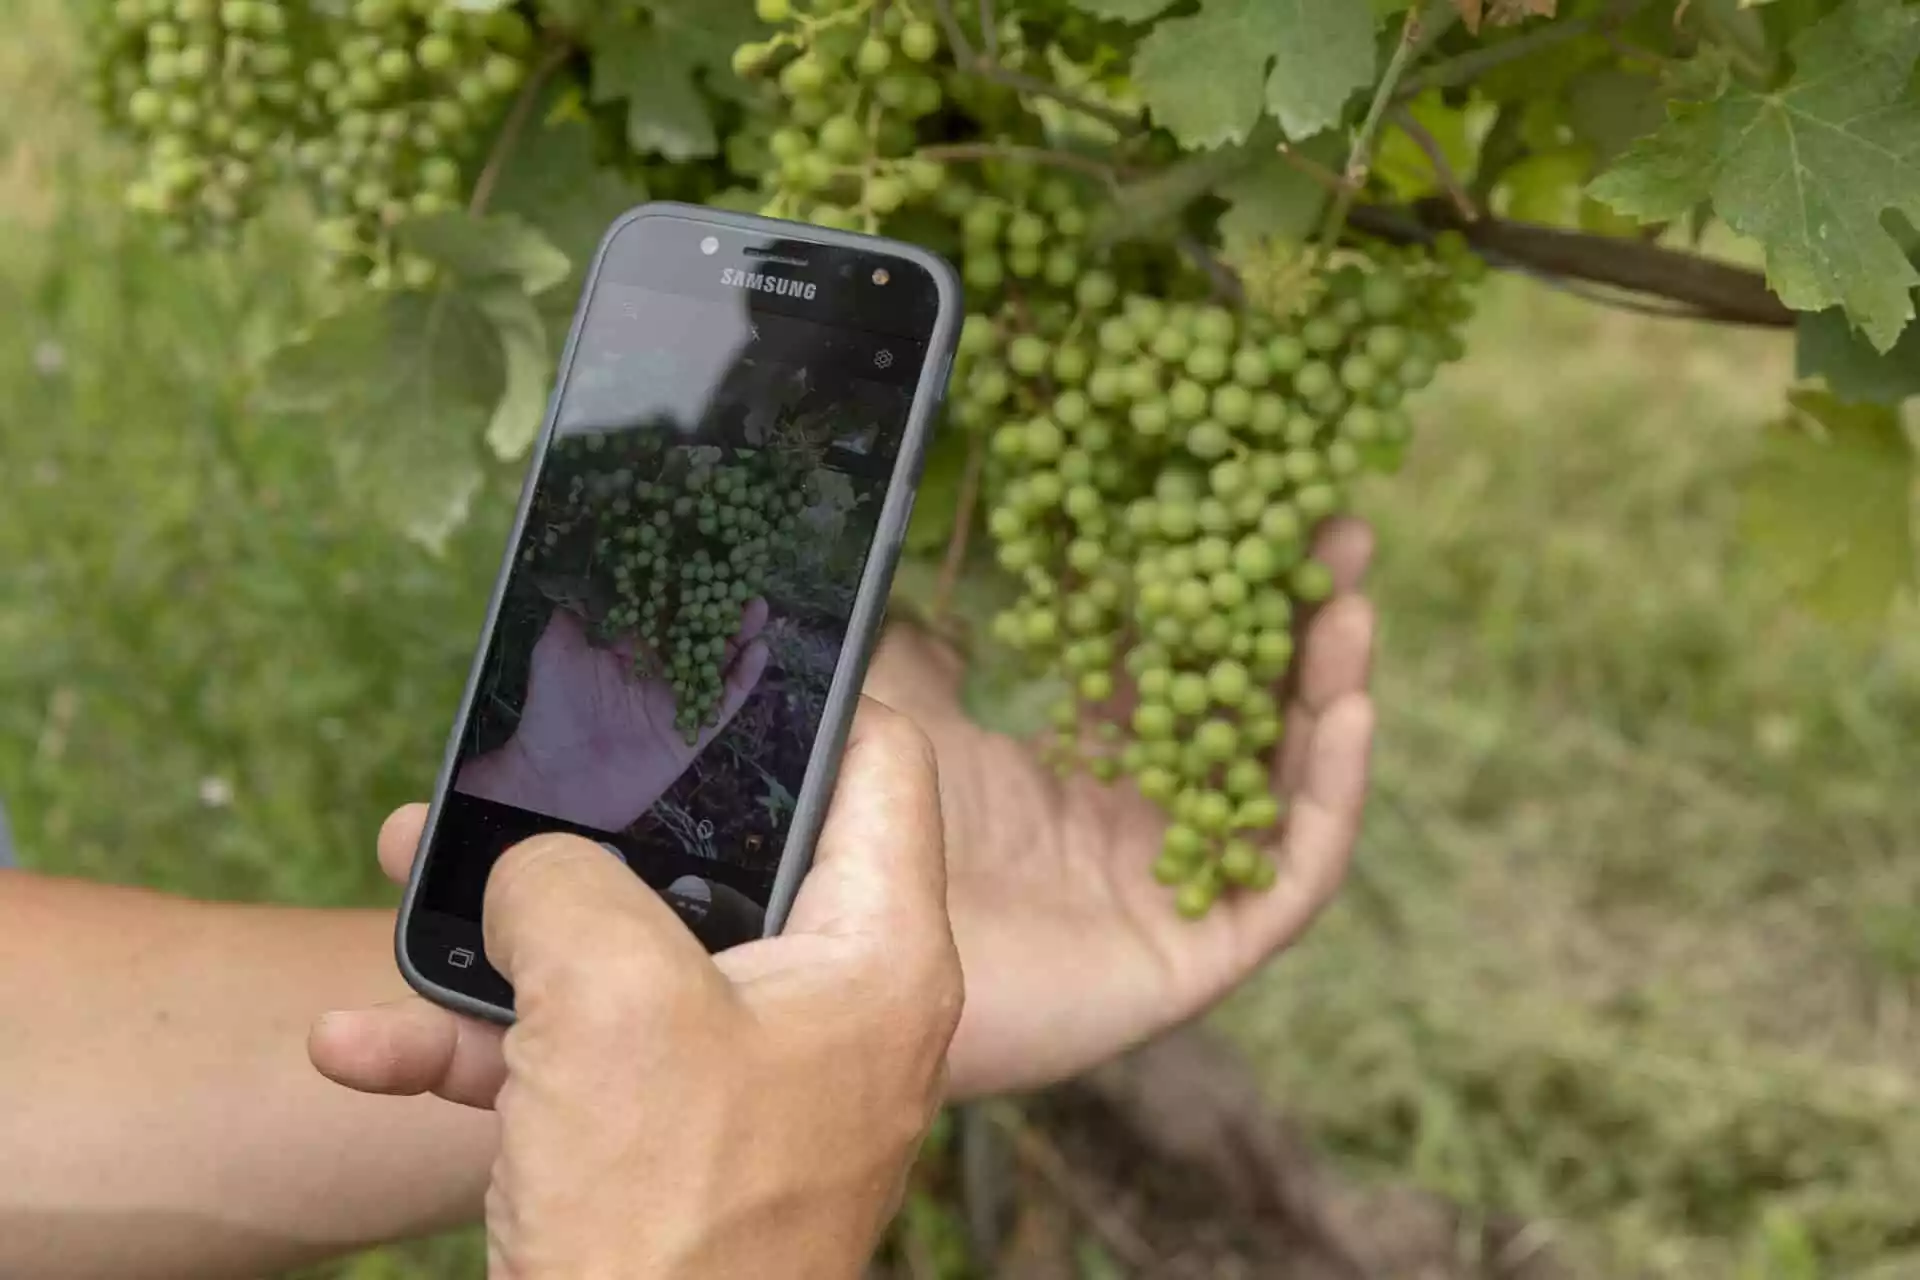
point(672, 548)
point(373, 107)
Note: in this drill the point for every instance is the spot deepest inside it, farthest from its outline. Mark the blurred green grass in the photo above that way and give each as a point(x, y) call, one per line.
point(1633, 941)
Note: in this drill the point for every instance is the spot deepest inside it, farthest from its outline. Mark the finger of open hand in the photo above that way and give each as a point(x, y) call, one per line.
point(407, 1048)
point(1336, 659)
point(399, 841)
point(742, 679)
point(1345, 545)
point(1323, 823)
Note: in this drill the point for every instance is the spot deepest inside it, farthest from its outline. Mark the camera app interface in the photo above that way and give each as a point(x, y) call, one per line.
point(679, 599)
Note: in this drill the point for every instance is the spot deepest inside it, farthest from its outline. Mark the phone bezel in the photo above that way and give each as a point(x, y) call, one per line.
point(870, 599)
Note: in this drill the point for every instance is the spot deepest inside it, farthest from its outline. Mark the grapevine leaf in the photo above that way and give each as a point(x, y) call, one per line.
point(1123, 10)
point(1830, 503)
point(1808, 170)
point(478, 251)
point(1276, 197)
point(1209, 77)
point(403, 385)
point(1829, 348)
point(555, 182)
point(522, 407)
point(1501, 13)
point(652, 66)
point(1609, 109)
point(1149, 206)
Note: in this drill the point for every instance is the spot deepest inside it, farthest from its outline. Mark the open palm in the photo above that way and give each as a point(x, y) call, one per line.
point(1072, 951)
point(597, 744)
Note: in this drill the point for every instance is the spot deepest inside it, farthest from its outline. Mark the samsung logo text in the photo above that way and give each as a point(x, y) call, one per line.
point(768, 284)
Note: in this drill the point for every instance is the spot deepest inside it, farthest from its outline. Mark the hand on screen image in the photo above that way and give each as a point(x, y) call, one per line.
point(597, 744)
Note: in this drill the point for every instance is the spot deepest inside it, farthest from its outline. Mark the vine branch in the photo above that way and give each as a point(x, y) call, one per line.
point(515, 124)
point(1706, 289)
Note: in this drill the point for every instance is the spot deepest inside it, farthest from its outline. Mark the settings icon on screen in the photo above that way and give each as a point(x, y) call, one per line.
point(883, 359)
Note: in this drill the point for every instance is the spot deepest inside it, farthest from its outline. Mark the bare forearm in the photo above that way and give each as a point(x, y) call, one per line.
point(158, 1116)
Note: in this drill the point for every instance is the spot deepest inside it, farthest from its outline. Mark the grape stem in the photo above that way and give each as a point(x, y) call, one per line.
point(514, 125)
point(1404, 120)
point(955, 559)
point(1422, 25)
point(1226, 284)
point(972, 61)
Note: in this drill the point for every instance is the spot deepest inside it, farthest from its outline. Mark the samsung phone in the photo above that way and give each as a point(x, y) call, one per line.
point(696, 576)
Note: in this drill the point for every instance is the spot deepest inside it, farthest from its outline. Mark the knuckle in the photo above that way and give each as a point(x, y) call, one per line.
point(899, 738)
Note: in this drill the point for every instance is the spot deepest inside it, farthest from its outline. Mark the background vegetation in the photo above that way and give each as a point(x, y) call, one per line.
point(1634, 943)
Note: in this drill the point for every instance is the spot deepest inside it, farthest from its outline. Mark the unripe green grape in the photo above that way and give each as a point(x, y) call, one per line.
point(884, 195)
point(1311, 581)
point(1208, 363)
point(1218, 741)
point(1140, 380)
point(1061, 266)
point(1191, 598)
point(772, 12)
point(1314, 379)
point(1208, 440)
point(1170, 344)
point(1212, 811)
point(1227, 479)
point(843, 138)
point(1146, 312)
point(1358, 374)
point(1383, 296)
point(804, 77)
point(1149, 417)
point(1214, 326)
point(1027, 355)
point(1187, 400)
point(1232, 404)
point(751, 58)
point(1095, 291)
point(1153, 721)
point(874, 57)
point(919, 40)
point(1187, 693)
point(835, 217)
point(1024, 263)
point(1322, 334)
point(1229, 591)
point(1071, 363)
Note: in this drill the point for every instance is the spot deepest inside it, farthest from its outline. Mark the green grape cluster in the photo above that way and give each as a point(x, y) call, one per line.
point(374, 107)
point(1155, 479)
point(854, 79)
point(674, 548)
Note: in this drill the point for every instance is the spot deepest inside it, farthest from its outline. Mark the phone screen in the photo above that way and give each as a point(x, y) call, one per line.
point(681, 591)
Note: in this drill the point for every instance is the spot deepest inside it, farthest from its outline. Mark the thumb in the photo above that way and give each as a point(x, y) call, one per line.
point(880, 865)
point(560, 910)
point(409, 1047)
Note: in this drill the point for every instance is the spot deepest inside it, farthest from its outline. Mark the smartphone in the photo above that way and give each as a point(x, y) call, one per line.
point(696, 575)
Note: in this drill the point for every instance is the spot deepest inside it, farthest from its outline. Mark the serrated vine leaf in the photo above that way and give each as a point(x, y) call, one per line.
point(1830, 504)
point(1275, 197)
point(403, 386)
point(528, 370)
point(1830, 349)
point(1208, 78)
point(1809, 170)
point(480, 251)
point(652, 65)
point(555, 183)
point(1123, 10)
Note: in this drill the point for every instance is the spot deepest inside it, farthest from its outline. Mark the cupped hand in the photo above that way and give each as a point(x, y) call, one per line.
point(597, 744)
point(1072, 952)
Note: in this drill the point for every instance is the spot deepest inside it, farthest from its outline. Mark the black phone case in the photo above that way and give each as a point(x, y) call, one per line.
point(870, 602)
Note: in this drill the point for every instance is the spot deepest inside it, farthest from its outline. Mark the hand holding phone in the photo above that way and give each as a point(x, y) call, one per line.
point(696, 577)
point(670, 1114)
